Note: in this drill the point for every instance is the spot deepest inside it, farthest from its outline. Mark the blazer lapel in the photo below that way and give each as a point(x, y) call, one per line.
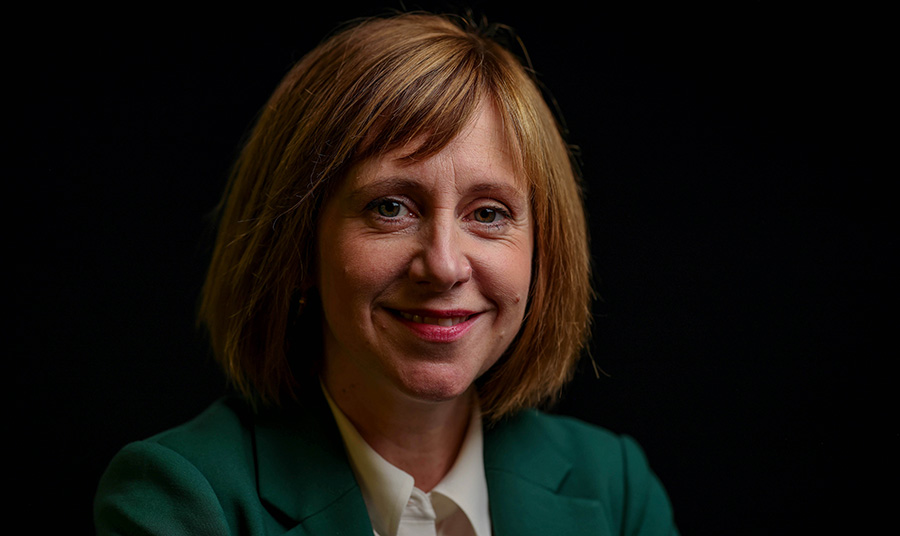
point(303, 472)
point(525, 471)
point(305, 480)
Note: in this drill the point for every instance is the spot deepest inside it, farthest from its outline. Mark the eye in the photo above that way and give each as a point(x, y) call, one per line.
point(485, 215)
point(389, 208)
point(488, 215)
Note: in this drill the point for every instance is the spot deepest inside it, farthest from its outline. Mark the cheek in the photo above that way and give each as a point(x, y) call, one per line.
point(356, 271)
point(511, 273)
point(506, 282)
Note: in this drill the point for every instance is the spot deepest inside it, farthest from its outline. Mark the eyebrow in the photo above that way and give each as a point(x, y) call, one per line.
point(508, 191)
point(390, 184)
point(404, 184)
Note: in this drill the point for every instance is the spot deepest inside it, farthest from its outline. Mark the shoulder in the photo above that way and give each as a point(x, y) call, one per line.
point(575, 440)
point(594, 463)
point(185, 478)
point(218, 443)
point(224, 430)
point(568, 433)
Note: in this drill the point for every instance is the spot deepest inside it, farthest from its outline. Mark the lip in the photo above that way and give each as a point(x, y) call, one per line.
point(441, 326)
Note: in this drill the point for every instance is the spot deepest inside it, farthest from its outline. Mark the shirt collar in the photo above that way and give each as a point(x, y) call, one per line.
point(386, 489)
point(466, 484)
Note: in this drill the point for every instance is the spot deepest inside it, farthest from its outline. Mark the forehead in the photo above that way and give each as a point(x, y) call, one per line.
point(479, 156)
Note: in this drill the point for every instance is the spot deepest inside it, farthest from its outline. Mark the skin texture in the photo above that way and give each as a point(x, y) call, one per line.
point(404, 245)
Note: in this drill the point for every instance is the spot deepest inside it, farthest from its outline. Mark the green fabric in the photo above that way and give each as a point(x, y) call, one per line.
point(230, 471)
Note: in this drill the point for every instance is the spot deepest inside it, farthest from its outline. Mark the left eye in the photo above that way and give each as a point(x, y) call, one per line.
point(486, 215)
point(390, 208)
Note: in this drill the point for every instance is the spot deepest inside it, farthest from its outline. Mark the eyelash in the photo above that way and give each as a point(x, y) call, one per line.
point(378, 203)
point(497, 210)
point(374, 206)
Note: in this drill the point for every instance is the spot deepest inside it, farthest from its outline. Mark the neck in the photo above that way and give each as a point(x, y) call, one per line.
point(423, 438)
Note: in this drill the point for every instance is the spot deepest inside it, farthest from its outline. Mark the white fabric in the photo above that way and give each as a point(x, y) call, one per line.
point(457, 506)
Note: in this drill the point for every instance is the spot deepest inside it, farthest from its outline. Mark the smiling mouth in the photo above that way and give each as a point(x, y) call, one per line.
point(445, 322)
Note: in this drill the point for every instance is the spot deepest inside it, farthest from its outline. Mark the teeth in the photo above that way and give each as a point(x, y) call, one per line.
point(445, 322)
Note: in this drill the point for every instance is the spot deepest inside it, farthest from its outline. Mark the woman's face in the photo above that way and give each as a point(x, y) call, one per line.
point(425, 266)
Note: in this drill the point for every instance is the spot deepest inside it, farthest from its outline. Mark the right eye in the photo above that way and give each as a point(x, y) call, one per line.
point(389, 208)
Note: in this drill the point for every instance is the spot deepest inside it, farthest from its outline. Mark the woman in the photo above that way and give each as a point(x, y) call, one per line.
point(401, 272)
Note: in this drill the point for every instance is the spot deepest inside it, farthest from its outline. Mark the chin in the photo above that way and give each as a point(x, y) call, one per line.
point(436, 385)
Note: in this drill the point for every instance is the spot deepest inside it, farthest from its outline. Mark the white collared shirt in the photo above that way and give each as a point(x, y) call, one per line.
point(457, 506)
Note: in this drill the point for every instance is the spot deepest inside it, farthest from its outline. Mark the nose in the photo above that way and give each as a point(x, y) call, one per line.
point(441, 262)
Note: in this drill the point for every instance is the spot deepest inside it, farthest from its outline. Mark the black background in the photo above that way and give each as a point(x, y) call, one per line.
point(740, 225)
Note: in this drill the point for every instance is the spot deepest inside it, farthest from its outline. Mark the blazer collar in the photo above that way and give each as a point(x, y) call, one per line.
point(303, 474)
point(305, 479)
point(524, 465)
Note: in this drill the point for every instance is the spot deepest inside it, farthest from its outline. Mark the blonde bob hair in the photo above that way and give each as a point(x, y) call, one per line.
point(369, 88)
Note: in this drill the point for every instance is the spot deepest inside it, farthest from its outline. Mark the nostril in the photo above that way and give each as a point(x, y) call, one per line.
point(441, 262)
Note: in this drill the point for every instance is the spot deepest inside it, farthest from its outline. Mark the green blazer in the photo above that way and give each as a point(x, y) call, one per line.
point(232, 471)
